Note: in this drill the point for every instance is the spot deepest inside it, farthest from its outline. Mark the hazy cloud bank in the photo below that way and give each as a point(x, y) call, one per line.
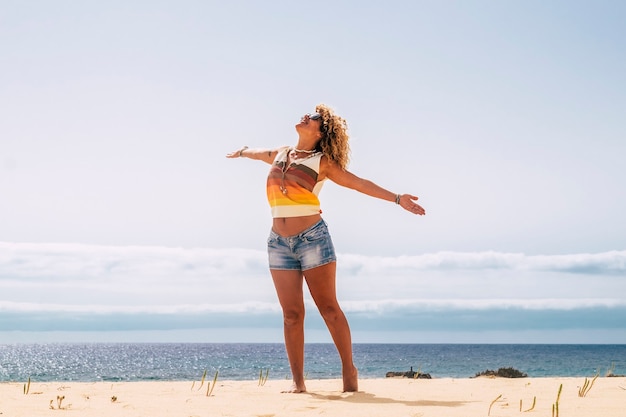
point(69, 287)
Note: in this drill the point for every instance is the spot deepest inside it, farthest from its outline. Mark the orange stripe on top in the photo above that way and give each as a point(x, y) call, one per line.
point(292, 191)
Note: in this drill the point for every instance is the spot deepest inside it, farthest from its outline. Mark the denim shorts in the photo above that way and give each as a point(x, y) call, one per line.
point(309, 249)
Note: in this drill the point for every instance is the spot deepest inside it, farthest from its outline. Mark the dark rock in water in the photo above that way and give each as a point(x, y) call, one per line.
point(408, 374)
point(503, 373)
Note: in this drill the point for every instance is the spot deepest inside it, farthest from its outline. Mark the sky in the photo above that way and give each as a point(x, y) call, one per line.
point(122, 220)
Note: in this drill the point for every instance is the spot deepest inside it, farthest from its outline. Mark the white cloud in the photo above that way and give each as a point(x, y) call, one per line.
point(68, 287)
point(158, 277)
point(608, 262)
point(361, 306)
point(64, 261)
point(382, 306)
point(29, 307)
point(33, 261)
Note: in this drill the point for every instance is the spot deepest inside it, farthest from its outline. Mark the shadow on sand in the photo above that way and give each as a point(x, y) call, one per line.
point(367, 398)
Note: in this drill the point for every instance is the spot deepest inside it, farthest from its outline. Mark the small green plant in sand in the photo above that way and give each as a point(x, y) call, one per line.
point(555, 406)
point(27, 387)
point(492, 403)
point(584, 390)
point(263, 378)
point(532, 407)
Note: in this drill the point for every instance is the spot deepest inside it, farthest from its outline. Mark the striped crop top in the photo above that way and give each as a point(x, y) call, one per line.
point(292, 189)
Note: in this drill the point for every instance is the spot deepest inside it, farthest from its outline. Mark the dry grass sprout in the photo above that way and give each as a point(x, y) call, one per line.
point(492, 403)
point(59, 406)
point(584, 390)
point(611, 370)
point(532, 407)
point(263, 378)
point(555, 406)
point(27, 387)
point(210, 387)
point(202, 380)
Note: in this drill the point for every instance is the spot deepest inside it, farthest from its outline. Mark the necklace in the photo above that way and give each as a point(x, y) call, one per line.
point(303, 150)
point(287, 164)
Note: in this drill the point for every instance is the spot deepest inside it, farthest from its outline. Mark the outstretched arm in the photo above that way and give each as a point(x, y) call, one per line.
point(265, 155)
point(347, 179)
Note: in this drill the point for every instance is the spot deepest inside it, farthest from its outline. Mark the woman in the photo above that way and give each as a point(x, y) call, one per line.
point(299, 246)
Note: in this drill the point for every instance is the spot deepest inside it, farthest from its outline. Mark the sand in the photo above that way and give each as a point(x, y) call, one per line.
point(445, 397)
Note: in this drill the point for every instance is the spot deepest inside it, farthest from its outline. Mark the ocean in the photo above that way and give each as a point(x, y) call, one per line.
point(90, 362)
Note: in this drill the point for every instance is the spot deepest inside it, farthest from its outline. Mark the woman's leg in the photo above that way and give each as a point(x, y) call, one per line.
point(289, 289)
point(321, 283)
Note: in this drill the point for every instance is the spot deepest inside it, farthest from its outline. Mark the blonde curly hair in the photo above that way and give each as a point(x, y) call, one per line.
point(334, 141)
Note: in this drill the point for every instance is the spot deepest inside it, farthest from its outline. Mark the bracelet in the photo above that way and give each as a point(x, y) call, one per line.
point(241, 151)
point(397, 198)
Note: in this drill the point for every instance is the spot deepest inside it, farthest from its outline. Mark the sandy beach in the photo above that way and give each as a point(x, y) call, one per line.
point(445, 397)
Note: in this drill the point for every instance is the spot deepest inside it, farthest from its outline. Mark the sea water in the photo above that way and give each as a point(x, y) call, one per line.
point(242, 361)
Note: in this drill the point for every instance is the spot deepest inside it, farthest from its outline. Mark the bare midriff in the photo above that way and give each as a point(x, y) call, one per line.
point(291, 226)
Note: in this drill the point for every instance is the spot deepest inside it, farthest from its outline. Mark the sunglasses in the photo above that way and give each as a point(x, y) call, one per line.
point(314, 116)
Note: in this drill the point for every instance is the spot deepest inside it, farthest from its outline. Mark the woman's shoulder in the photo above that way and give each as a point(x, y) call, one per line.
point(279, 153)
point(326, 160)
point(328, 166)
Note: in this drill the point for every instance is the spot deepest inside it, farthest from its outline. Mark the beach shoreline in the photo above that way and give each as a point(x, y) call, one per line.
point(439, 397)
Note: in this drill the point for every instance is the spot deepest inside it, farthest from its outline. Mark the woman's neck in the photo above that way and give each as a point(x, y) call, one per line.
point(305, 145)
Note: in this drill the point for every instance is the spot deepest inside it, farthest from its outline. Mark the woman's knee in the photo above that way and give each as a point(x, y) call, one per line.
point(293, 317)
point(330, 312)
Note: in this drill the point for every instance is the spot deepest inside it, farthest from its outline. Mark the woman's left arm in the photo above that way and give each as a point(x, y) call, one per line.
point(347, 179)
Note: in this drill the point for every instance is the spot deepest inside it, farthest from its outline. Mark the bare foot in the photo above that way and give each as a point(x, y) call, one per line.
point(294, 389)
point(351, 380)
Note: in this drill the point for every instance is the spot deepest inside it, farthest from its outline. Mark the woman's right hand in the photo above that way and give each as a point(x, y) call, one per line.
point(236, 154)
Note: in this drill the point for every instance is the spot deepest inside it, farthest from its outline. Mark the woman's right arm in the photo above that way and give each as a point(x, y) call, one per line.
point(265, 155)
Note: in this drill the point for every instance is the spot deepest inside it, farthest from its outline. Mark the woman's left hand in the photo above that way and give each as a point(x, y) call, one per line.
point(406, 201)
